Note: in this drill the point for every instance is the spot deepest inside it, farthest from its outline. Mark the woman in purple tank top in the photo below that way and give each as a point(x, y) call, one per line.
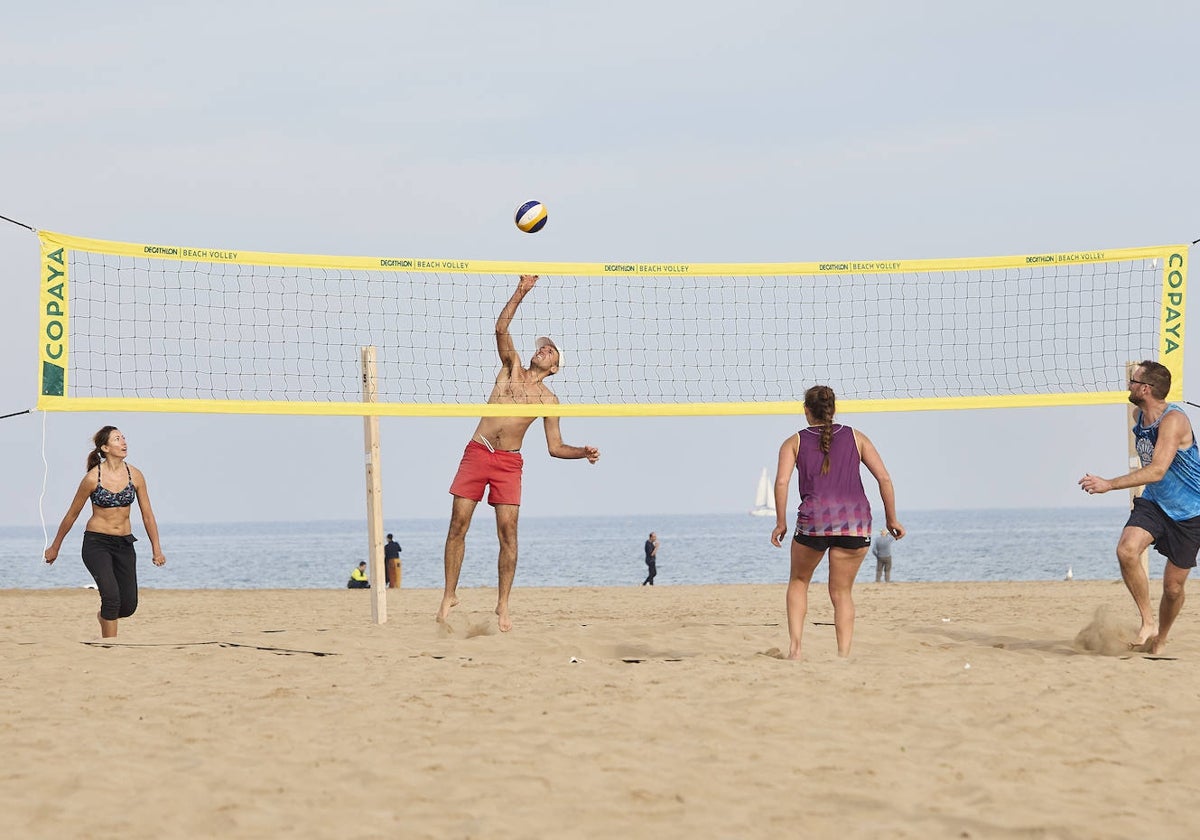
point(834, 514)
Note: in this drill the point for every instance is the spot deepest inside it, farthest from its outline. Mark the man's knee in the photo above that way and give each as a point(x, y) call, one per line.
point(506, 526)
point(507, 534)
point(460, 523)
point(1173, 588)
point(1130, 553)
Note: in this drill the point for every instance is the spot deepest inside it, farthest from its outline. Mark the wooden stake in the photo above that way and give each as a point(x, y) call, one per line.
point(1134, 460)
point(374, 492)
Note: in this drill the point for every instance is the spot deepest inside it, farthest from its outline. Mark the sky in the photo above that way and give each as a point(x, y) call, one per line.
point(654, 132)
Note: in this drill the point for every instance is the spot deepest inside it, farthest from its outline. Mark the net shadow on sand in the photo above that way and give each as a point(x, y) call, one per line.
point(277, 650)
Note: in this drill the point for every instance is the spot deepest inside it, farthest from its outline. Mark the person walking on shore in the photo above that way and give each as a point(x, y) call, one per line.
point(493, 456)
point(834, 514)
point(1167, 514)
point(651, 559)
point(112, 485)
point(882, 549)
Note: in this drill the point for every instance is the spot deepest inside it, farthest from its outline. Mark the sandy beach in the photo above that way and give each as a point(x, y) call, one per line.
point(966, 710)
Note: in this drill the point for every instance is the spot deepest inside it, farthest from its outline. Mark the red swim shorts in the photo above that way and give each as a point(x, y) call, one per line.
point(480, 467)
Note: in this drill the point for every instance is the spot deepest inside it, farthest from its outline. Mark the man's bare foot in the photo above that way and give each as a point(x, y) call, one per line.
point(1148, 632)
point(794, 654)
point(505, 622)
point(1155, 645)
point(448, 603)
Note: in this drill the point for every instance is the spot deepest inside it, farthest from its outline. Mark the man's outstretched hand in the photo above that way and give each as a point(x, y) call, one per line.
point(1093, 484)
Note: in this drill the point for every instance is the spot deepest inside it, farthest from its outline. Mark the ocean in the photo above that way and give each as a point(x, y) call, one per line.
point(947, 545)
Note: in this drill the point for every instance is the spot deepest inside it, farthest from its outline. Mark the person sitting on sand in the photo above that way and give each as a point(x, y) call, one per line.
point(358, 577)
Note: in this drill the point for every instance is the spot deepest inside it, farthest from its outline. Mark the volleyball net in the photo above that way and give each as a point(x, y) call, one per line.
point(146, 327)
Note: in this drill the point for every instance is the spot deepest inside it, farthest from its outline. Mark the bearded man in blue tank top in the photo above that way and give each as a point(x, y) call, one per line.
point(1167, 514)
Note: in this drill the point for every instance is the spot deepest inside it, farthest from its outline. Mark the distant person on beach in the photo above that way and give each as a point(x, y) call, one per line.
point(882, 549)
point(1167, 514)
point(112, 485)
point(493, 456)
point(834, 513)
point(391, 557)
point(358, 577)
point(651, 559)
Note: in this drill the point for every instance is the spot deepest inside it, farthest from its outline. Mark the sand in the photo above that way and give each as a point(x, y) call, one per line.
point(965, 710)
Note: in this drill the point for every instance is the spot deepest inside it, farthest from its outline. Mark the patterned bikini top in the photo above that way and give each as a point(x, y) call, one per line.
point(105, 498)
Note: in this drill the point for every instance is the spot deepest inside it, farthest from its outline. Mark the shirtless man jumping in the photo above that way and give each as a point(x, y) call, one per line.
point(493, 456)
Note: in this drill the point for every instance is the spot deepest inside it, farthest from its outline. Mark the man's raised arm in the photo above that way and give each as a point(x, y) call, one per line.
point(504, 342)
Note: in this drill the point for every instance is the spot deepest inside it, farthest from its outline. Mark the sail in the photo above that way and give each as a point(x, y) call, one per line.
point(764, 499)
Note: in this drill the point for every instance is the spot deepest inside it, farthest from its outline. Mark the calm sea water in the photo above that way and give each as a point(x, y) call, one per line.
point(959, 545)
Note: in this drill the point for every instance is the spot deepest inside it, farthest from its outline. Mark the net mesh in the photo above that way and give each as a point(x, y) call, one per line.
point(168, 329)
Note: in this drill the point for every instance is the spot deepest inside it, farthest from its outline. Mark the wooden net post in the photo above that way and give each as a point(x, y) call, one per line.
point(374, 492)
point(1134, 460)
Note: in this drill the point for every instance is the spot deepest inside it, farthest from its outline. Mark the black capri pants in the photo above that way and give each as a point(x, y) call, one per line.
point(112, 561)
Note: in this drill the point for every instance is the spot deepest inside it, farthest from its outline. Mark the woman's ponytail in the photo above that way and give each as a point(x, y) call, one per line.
point(98, 440)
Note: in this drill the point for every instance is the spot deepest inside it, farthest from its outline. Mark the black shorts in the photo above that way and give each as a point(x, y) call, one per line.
point(1178, 541)
point(826, 543)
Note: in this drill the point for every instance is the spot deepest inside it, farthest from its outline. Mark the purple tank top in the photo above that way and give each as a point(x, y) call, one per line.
point(834, 504)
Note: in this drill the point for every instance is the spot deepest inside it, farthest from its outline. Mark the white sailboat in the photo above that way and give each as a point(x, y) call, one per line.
point(764, 499)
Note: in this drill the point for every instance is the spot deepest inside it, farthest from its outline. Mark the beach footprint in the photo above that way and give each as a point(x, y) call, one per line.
point(474, 627)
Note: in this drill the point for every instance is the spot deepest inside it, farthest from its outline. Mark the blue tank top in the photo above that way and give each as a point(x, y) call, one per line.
point(105, 498)
point(833, 504)
point(1178, 491)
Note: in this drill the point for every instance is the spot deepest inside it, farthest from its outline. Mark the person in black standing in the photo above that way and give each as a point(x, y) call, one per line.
point(651, 559)
point(391, 560)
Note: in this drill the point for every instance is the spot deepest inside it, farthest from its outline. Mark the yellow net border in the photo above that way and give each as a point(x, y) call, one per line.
point(54, 339)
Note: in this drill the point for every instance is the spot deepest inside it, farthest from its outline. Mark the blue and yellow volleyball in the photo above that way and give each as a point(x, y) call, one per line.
point(531, 216)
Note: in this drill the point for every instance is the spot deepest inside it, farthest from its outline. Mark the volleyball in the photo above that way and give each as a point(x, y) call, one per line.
point(531, 216)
